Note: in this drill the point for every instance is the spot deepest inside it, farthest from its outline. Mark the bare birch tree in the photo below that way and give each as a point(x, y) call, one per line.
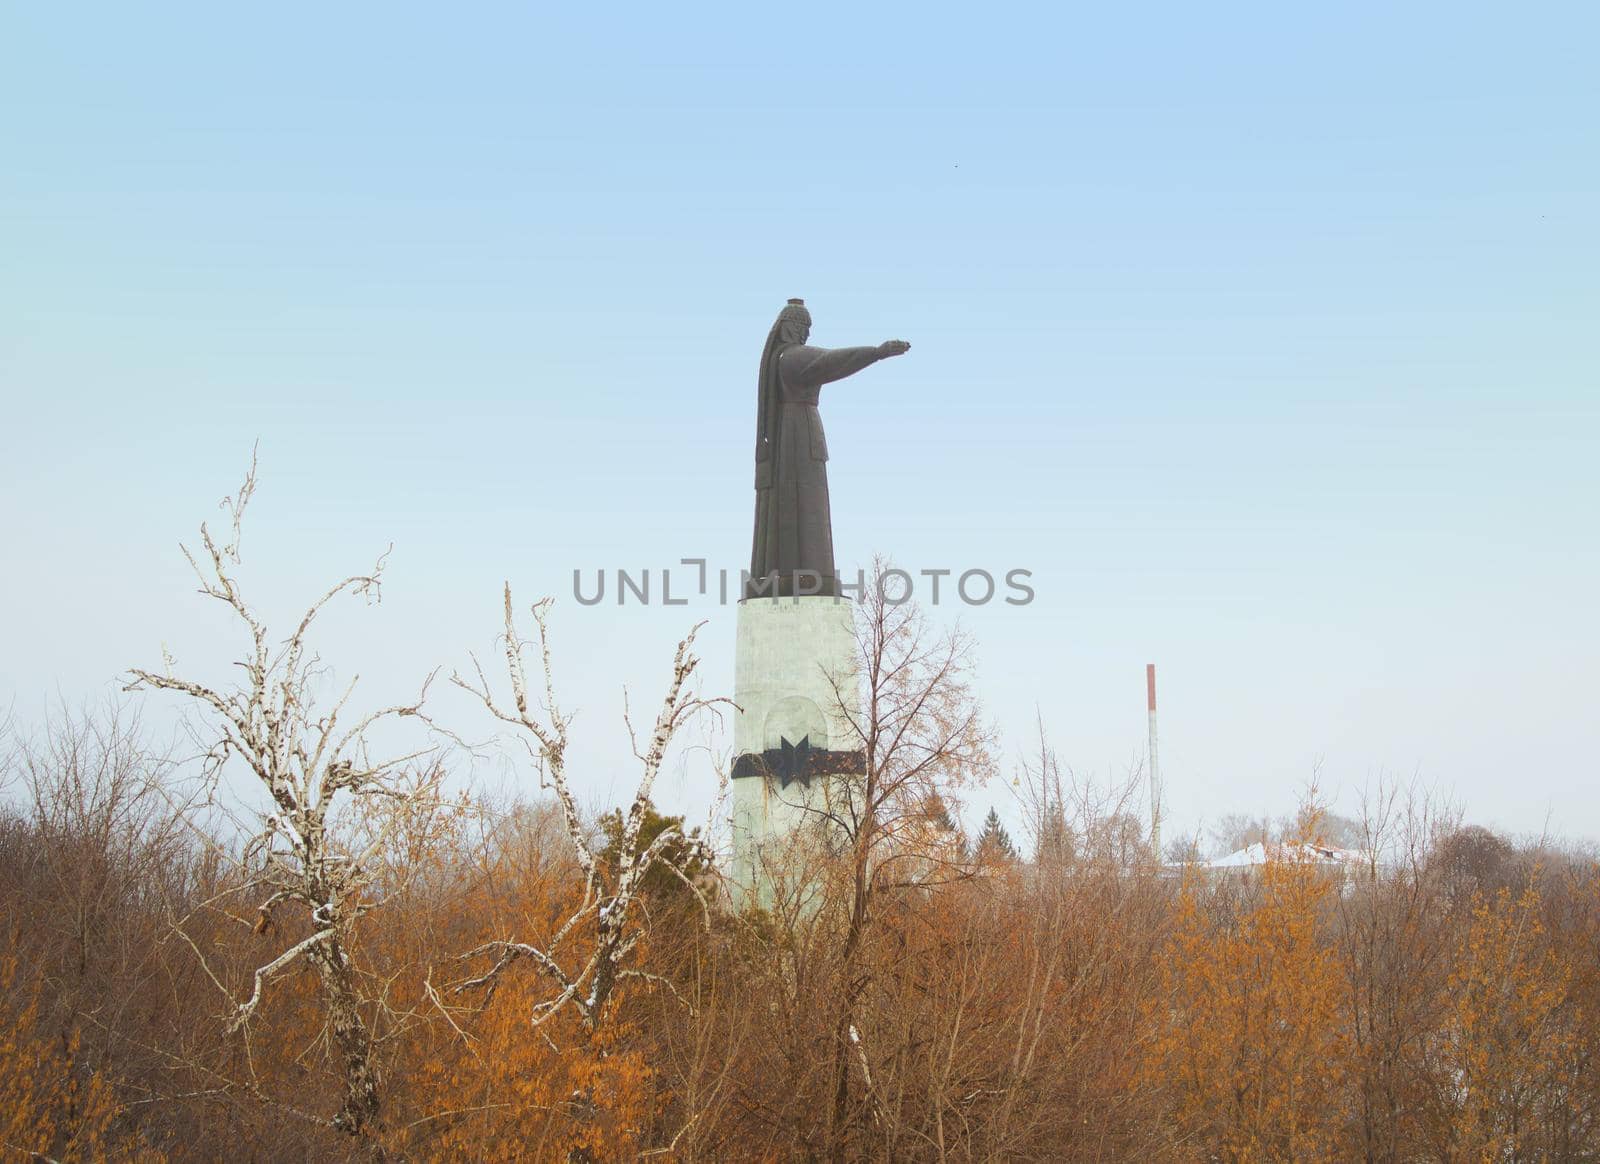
point(588, 954)
point(309, 761)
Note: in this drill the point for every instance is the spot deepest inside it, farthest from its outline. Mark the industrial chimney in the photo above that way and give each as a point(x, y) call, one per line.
point(1155, 767)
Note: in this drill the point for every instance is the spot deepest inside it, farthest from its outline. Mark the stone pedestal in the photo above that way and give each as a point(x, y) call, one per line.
point(796, 747)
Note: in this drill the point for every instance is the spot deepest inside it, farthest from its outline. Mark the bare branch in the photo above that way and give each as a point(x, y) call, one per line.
point(615, 930)
point(263, 973)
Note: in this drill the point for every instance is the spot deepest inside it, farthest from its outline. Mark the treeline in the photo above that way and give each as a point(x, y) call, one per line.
point(1439, 1002)
point(298, 945)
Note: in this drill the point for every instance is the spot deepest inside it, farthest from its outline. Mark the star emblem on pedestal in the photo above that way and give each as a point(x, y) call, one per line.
point(793, 760)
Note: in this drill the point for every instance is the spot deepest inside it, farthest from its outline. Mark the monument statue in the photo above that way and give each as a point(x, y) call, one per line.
point(799, 754)
point(792, 550)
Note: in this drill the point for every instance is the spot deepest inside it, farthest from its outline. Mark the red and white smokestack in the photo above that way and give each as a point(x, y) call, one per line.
point(1155, 767)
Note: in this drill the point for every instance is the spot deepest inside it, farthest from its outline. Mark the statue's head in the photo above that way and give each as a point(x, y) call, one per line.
point(794, 323)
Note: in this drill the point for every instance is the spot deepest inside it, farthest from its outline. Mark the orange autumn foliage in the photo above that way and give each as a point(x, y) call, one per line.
point(1509, 1041)
point(505, 1093)
point(1246, 1038)
point(1075, 1006)
point(50, 1106)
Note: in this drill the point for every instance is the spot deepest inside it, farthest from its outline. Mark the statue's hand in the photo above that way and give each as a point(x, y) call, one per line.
point(892, 348)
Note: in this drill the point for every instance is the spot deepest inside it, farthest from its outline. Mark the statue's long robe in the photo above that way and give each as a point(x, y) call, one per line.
point(794, 524)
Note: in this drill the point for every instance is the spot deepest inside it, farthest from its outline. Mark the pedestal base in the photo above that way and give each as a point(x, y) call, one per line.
point(797, 749)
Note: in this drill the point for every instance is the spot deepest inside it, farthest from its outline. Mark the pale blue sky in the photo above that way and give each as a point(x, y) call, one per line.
point(1263, 336)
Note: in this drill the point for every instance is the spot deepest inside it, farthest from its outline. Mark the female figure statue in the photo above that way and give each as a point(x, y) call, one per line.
point(792, 551)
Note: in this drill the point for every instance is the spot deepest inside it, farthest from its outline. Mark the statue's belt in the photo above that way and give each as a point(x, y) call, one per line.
point(789, 762)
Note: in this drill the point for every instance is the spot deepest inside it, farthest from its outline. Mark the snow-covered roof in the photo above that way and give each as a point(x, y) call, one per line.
point(1260, 854)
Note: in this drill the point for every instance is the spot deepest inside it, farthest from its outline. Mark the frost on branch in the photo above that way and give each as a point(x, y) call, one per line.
point(310, 762)
point(587, 955)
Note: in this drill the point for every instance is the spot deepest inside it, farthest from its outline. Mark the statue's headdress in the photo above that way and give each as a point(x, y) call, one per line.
point(794, 312)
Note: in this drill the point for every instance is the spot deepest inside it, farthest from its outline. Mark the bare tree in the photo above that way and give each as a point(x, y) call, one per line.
point(1237, 830)
point(1184, 849)
point(309, 761)
point(587, 955)
point(104, 832)
point(922, 734)
point(1039, 789)
point(1393, 942)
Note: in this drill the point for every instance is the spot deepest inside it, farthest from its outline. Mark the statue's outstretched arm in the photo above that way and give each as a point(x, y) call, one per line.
point(809, 365)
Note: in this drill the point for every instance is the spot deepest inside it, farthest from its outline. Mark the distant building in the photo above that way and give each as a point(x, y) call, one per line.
point(1345, 864)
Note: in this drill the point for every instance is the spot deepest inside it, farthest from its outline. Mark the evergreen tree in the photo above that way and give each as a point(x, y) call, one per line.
point(994, 843)
point(660, 884)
